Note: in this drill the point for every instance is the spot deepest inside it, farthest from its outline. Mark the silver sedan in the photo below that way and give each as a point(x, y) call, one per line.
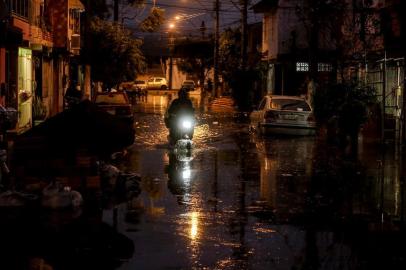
point(284, 115)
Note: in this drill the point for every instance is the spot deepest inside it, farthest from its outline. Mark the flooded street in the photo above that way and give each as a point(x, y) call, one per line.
point(237, 201)
point(242, 201)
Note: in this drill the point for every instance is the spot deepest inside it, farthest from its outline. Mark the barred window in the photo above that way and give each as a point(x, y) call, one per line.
point(18, 7)
point(302, 66)
point(324, 67)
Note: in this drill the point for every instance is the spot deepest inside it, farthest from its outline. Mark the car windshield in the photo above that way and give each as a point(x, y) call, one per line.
point(290, 105)
point(188, 83)
point(111, 99)
point(139, 82)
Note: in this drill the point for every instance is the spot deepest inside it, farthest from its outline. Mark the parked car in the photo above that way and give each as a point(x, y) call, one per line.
point(139, 85)
point(115, 103)
point(157, 83)
point(189, 85)
point(284, 115)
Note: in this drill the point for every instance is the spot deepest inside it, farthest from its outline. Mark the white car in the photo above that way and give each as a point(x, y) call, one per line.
point(284, 115)
point(157, 83)
point(139, 85)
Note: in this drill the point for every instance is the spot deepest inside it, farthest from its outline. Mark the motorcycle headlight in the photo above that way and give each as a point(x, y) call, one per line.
point(186, 174)
point(186, 123)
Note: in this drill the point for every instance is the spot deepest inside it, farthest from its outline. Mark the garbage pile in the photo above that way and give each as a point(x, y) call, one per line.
point(81, 127)
point(117, 185)
point(122, 185)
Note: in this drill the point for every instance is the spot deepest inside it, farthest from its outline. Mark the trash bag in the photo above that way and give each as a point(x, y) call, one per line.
point(56, 197)
point(16, 199)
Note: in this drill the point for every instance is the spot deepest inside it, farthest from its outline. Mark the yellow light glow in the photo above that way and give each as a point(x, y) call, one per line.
point(177, 18)
point(172, 25)
point(194, 229)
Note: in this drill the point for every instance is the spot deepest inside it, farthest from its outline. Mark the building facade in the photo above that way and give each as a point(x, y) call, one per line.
point(287, 47)
point(35, 50)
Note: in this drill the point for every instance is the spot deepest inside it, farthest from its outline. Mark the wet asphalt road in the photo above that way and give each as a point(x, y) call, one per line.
point(242, 201)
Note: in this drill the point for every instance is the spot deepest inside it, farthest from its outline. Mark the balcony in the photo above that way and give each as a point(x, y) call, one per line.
point(19, 8)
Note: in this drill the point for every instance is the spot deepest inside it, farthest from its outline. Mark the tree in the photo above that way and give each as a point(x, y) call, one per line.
point(196, 57)
point(133, 10)
point(321, 20)
point(112, 52)
point(117, 56)
point(242, 81)
point(153, 22)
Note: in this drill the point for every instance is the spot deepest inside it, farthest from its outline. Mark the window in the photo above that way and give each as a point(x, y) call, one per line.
point(324, 67)
point(19, 7)
point(302, 66)
point(262, 105)
point(290, 105)
point(74, 20)
point(158, 80)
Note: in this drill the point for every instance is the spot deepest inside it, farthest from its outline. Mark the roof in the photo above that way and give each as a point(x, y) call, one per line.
point(265, 5)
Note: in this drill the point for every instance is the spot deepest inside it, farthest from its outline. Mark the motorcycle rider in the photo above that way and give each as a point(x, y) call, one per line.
point(180, 106)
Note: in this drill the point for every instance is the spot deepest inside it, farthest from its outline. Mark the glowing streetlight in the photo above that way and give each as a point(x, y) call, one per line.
point(177, 18)
point(172, 26)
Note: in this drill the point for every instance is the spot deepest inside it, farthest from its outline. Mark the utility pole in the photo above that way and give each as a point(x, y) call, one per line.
point(215, 92)
point(244, 33)
point(203, 30)
point(87, 88)
point(115, 15)
point(171, 51)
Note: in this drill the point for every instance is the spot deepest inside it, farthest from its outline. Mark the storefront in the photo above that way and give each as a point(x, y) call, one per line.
point(25, 91)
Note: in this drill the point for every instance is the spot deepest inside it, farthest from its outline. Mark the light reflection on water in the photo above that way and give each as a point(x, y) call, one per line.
point(258, 203)
point(194, 220)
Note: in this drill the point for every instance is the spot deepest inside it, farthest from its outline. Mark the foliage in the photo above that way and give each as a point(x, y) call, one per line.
point(347, 103)
point(242, 82)
point(96, 8)
point(117, 56)
point(154, 20)
point(230, 52)
point(322, 21)
point(196, 57)
point(39, 111)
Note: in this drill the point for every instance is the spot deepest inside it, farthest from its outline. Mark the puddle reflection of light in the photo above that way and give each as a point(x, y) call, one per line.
point(194, 229)
point(186, 174)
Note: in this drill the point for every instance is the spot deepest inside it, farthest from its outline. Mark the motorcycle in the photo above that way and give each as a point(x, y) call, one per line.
point(181, 129)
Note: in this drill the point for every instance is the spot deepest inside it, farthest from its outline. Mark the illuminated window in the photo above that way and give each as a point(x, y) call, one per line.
point(324, 67)
point(302, 66)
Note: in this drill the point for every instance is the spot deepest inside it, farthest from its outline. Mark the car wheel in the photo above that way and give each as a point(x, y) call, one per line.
point(164, 87)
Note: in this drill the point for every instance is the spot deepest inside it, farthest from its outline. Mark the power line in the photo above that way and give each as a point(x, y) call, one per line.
point(194, 8)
